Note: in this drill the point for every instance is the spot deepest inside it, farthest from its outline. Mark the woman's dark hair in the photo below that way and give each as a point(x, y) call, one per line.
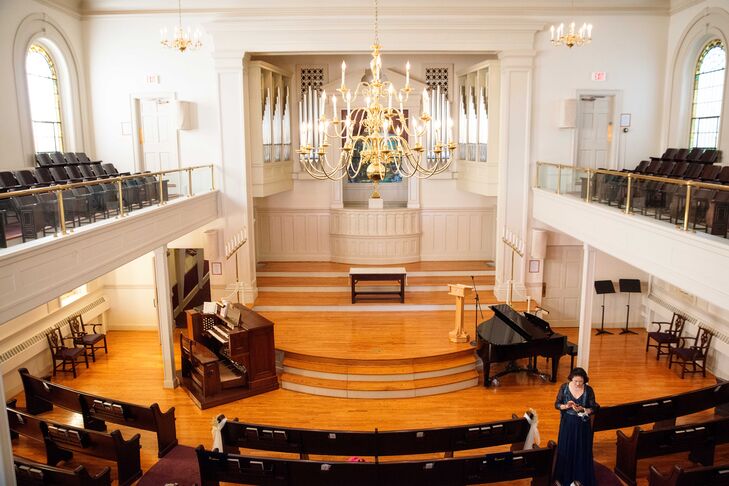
point(578, 372)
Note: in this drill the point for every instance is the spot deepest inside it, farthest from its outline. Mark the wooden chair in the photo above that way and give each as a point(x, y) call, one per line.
point(693, 355)
point(667, 337)
point(63, 354)
point(89, 341)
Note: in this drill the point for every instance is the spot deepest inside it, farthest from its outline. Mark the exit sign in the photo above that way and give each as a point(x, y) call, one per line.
point(599, 76)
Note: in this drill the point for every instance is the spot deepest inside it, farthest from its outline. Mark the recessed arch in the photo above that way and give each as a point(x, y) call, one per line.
point(710, 24)
point(40, 29)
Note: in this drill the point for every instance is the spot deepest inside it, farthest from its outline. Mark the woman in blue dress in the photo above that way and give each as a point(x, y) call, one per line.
point(576, 402)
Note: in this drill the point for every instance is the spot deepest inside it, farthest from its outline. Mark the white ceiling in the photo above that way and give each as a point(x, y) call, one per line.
point(360, 7)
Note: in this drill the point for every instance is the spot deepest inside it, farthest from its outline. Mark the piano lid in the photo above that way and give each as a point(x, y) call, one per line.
point(509, 327)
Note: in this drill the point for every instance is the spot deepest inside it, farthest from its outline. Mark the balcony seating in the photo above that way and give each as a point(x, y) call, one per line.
point(667, 337)
point(33, 218)
point(690, 354)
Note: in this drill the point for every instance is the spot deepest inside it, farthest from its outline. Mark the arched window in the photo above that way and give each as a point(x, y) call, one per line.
point(45, 100)
point(708, 94)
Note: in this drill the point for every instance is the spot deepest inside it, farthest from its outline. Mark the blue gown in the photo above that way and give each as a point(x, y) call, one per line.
point(574, 446)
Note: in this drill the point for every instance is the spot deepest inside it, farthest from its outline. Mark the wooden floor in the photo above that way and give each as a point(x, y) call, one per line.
point(620, 371)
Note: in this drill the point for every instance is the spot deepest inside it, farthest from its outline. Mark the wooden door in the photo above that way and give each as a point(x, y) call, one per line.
point(594, 131)
point(562, 276)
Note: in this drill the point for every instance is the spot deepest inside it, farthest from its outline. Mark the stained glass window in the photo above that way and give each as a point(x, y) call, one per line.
point(45, 100)
point(708, 93)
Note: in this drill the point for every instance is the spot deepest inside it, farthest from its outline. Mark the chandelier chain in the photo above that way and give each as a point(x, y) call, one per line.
point(377, 23)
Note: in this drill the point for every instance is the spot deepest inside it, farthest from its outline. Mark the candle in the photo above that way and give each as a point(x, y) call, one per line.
point(399, 97)
point(551, 30)
point(322, 102)
point(390, 92)
point(589, 31)
point(344, 69)
point(407, 74)
point(572, 28)
point(334, 107)
point(349, 110)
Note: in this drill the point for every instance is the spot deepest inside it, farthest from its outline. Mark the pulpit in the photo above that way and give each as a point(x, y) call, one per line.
point(460, 291)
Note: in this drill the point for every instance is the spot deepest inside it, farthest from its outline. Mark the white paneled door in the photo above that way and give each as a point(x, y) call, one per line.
point(157, 134)
point(594, 131)
point(562, 274)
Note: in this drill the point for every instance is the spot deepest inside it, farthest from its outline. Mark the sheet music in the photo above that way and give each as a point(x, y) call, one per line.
point(210, 308)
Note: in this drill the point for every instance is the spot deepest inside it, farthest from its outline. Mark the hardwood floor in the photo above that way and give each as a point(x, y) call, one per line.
point(620, 371)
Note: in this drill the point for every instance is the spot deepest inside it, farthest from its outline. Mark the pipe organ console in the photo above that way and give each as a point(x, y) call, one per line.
point(226, 359)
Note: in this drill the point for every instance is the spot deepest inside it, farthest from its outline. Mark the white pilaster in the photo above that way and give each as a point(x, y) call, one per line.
point(586, 291)
point(515, 165)
point(235, 169)
point(164, 315)
point(413, 193)
point(7, 472)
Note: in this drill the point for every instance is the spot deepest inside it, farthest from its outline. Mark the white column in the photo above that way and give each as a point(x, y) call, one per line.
point(7, 472)
point(515, 164)
point(164, 314)
point(235, 183)
point(586, 293)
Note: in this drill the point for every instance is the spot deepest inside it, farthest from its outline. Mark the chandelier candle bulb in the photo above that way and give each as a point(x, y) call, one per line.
point(407, 76)
point(334, 107)
point(344, 69)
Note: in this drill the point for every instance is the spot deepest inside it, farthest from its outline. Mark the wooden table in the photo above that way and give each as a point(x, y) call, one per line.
point(369, 274)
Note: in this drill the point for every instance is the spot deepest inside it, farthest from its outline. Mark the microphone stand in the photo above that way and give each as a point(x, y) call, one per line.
point(478, 310)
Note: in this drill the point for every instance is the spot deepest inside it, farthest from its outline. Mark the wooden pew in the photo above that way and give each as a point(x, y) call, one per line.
point(700, 439)
point(508, 466)
point(61, 441)
point(663, 411)
point(703, 476)
point(31, 473)
point(41, 395)
point(237, 435)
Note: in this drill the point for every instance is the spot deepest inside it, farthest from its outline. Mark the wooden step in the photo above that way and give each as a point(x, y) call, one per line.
point(379, 389)
point(344, 267)
point(313, 280)
point(345, 299)
point(366, 369)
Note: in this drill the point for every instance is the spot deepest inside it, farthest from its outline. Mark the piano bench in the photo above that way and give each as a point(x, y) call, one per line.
point(572, 351)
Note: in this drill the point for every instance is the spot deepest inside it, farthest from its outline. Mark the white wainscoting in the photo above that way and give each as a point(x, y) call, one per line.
point(375, 236)
point(292, 235)
point(458, 234)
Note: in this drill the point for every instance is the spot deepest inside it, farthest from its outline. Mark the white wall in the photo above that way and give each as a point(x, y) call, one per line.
point(12, 13)
point(610, 268)
point(131, 292)
point(122, 52)
point(631, 50)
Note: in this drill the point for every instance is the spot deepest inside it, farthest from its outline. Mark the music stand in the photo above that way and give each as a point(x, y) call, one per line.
point(630, 286)
point(603, 287)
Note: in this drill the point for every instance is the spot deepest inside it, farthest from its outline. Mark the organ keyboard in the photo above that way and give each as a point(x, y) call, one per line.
point(244, 347)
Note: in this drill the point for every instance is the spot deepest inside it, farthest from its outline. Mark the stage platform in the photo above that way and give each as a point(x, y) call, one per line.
point(374, 349)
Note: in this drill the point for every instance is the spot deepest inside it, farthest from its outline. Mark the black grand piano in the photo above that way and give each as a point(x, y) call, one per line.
point(509, 336)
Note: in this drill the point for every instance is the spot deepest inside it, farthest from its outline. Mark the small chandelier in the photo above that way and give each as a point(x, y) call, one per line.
point(182, 40)
point(571, 38)
point(377, 137)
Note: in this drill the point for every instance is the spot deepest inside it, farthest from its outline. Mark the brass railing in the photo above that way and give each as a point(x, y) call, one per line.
point(58, 189)
point(562, 175)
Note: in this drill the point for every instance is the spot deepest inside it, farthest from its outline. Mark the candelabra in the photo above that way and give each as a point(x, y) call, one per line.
point(376, 137)
point(231, 249)
point(516, 245)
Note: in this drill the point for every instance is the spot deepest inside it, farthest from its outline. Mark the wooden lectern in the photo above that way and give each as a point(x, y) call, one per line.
point(460, 291)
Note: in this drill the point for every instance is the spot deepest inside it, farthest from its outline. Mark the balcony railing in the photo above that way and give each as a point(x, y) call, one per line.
point(689, 204)
point(55, 210)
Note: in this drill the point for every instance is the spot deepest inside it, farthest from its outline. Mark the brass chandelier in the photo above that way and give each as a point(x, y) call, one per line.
point(377, 137)
point(571, 38)
point(182, 40)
